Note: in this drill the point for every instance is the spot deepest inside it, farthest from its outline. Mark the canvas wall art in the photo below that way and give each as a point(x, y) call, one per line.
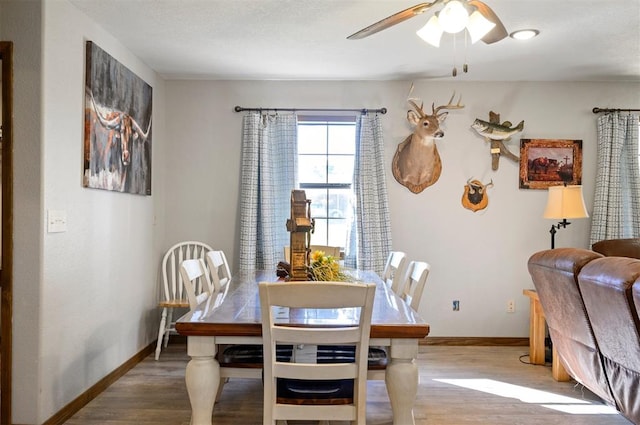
point(550, 162)
point(117, 126)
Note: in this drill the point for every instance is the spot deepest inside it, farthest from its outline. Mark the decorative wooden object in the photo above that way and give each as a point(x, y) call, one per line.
point(537, 329)
point(300, 225)
point(497, 134)
point(475, 195)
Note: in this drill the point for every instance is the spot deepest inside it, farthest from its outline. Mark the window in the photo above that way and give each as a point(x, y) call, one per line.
point(326, 152)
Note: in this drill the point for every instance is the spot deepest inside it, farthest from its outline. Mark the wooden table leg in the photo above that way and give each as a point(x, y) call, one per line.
point(202, 378)
point(537, 331)
point(402, 379)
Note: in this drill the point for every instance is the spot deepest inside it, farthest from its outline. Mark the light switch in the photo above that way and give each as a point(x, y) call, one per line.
point(56, 221)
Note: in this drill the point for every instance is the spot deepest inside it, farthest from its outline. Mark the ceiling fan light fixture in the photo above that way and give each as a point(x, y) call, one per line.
point(454, 17)
point(478, 26)
point(431, 32)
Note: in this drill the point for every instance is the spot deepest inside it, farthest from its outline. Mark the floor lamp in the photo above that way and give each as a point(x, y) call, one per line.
point(564, 202)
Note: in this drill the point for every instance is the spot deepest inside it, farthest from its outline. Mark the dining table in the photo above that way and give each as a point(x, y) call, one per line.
point(233, 317)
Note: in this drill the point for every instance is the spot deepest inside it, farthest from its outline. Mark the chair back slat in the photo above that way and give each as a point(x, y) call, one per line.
point(183, 253)
point(316, 371)
point(295, 335)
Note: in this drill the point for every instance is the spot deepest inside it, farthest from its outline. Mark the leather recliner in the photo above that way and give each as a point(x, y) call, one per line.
point(627, 247)
point(591, 304)
point(554, 273)
point(606, 285)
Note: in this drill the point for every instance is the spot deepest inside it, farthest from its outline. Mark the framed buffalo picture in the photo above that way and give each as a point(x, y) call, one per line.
point(550, 162)
point(117, 126)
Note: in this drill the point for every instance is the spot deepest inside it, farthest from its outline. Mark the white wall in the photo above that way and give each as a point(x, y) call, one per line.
point(84, 300)
point(477, 258)
point(21, 24)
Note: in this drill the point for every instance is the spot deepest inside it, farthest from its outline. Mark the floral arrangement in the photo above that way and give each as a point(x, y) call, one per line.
point(326, 268)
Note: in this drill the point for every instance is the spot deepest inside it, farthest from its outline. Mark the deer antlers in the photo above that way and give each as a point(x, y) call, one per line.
point(449, 105)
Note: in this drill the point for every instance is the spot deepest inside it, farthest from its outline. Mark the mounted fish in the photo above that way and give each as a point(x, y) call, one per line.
point(497, 134)
point(475, 197)
point(416, 163)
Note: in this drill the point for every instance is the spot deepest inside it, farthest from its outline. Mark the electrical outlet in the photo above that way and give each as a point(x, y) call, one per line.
point(511, 306)
point(456, 305)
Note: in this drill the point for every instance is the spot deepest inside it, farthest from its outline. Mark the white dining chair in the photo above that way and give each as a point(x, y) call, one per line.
point(414, 283)
point(173, 289)
point(394, 271)
point(218, 269)
point(196, 281)
point(287, 253)
point(298, 391)
point(236, 360)
point(333, 251)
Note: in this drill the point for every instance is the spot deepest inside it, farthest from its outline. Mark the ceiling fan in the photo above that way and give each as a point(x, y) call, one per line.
point(496, 34)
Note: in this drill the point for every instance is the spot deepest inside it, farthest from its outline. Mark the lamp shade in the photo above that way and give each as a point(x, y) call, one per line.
point(478, 26)
point(454, 17)
point(431, 32)
point(565, 202)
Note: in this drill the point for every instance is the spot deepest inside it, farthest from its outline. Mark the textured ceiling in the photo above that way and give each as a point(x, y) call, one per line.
point(580, 40)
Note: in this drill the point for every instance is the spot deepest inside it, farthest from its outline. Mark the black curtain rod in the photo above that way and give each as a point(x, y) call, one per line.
point(364, 110)
point(597, 110)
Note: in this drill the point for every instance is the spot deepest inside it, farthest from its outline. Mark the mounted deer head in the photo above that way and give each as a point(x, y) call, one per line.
point(416, 163)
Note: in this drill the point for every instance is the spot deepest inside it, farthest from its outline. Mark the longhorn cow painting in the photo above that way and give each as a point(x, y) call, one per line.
point(550, 162)
point(117, 126)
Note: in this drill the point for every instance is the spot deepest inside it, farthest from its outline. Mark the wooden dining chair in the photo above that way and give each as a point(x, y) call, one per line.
point(327, 391)
point(394, 271)
point(414, 283)
point(173, 289)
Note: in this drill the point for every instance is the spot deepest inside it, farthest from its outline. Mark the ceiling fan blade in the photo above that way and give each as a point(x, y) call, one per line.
point(392, 20)
point(499, 31)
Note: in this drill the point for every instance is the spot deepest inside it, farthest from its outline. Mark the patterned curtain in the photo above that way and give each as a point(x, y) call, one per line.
point(370, 237)
point(269, 157)
point(617, 194)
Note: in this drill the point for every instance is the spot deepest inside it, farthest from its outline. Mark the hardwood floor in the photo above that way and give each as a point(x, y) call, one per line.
point(155, 392)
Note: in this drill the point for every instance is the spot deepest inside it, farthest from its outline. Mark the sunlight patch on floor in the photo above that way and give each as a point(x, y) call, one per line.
point(590, 409)
point(528, 395)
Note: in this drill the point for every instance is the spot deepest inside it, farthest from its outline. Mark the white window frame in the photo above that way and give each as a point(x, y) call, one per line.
point(328, 120)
